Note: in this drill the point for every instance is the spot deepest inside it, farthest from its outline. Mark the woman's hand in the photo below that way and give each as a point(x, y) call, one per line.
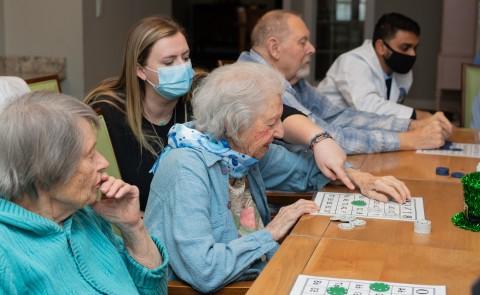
point(287, 216)
point(120, 206)
point(330, 159)
point(380, 188)
point(120, 202)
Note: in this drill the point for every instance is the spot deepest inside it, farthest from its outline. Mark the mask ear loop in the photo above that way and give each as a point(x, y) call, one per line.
point(146, 79)
point(389, 48)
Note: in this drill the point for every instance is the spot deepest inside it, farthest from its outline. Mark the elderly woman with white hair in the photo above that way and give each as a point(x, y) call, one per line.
point(207, 198)
point(56, 207)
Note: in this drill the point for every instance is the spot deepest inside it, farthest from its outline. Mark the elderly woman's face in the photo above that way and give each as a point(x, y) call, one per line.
point(266, 127)
point(82, 187)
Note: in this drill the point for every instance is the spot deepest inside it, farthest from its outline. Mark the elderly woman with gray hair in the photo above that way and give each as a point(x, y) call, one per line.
point(56, 206)
point(207, 198)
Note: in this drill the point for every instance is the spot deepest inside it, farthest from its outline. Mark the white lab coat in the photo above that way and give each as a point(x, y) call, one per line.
point(356, 79)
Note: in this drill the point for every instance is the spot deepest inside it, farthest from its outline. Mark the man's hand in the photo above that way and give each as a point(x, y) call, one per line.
point(439, 117)
point(426, 137)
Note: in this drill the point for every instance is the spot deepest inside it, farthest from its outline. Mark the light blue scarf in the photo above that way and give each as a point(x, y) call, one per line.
point(182, 135)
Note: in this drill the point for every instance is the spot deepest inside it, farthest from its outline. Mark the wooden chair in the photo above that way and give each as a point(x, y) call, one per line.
point(104, 146)
point(279, 198)
point(237, 288)
point(223, 62)
point(46, 83)
point(470, 88)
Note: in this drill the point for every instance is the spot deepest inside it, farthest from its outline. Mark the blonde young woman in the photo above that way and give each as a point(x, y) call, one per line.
point(142, 104)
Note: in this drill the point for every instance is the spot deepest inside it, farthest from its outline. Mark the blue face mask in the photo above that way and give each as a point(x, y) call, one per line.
point(173, 81)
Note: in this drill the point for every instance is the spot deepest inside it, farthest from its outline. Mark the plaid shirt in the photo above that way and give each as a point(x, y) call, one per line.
point(355, 131)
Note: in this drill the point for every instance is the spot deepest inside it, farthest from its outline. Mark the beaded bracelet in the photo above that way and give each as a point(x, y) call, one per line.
point(319, 137)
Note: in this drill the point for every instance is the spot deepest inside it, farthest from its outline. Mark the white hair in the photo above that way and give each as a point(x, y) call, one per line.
point(11, 88)
point(231, 97)
point(41, 142)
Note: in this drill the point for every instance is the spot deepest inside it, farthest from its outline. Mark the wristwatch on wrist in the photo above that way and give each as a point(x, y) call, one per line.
point(319, 137)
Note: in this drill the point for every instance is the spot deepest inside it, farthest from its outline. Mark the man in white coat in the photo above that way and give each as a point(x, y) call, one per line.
point(376, 76)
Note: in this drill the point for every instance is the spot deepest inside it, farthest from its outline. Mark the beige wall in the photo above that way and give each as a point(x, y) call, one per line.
point(2, 30)
point(91, 45)
point(47, 28)
point(428, 14)
point(105, 36)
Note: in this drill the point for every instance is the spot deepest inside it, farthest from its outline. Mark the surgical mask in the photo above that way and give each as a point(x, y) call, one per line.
point(399, 62)
point(173, 81)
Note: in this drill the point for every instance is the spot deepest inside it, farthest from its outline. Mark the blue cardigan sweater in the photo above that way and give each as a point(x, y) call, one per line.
point(38, 256)
point(188, 207)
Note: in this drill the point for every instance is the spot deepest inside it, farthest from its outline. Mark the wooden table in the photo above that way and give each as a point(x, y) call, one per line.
point(282, 271)
point(408, 165)
point(357, 160)
point(413, 166)
point(465, 135)
point(388, 250)
point(399, 263)
point(441, 202)
point(383, 250)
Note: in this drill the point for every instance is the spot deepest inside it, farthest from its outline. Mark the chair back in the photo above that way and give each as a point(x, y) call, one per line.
point(470, 89)
point(104, 146)
point(236, 288)
point(46, 83)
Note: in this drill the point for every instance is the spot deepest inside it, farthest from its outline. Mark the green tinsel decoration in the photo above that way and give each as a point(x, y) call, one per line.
point(470, 217)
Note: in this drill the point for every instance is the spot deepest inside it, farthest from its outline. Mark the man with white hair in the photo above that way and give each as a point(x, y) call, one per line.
point(281, 40)
point(11, 87)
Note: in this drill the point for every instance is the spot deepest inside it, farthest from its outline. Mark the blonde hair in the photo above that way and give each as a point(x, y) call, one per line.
point(140, 41)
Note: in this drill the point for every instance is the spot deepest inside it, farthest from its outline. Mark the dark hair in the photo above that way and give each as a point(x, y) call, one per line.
point(388, 25)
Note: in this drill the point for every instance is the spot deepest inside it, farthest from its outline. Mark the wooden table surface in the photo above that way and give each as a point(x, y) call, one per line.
point(441, 202)
point(382, 250)
point(285, 266)
point(410, 165)
point(465, 135)
point(386, 250)
point(399, 263)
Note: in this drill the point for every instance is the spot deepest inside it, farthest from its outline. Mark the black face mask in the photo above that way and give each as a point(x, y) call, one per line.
point(399, 62)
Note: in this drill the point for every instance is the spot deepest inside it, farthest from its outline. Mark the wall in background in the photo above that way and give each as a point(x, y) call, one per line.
point(47, 28)
point(2, 29)
point(307, 9)
point(91, 44)
point(105, 35)
point(428, 14)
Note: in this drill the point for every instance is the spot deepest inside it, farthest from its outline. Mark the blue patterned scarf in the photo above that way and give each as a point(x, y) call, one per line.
point(182, 135)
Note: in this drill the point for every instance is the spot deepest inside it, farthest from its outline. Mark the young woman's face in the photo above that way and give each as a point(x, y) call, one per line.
point(169, 51)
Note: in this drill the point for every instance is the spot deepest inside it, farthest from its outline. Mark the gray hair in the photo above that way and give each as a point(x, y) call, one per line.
point(230, 98)
point(272, 24)
point(41, 142)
